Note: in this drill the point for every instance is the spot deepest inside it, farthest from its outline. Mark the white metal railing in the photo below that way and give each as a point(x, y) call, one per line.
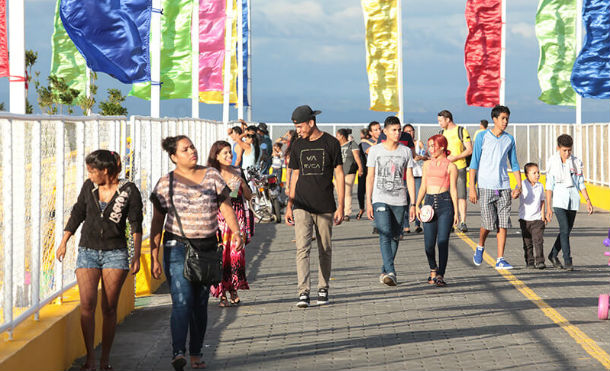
point(43, 167)
point(536, 142)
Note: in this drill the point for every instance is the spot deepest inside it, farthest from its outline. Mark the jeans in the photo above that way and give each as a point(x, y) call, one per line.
point(436, 232)
point(189, 302)
point(565, 218)
point(406, 220)
point(362, 188)
point(388, 219)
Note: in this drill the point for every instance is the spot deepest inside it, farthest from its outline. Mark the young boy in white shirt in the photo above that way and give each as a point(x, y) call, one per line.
point(532, 218)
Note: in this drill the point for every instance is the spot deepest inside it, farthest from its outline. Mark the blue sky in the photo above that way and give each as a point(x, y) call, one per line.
point(312, 52)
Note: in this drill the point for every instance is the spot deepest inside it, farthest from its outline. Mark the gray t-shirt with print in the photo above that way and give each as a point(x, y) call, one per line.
point(390, 185)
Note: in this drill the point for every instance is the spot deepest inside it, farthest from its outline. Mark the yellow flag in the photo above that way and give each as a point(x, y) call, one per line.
point(381, 27)
point(216, 97)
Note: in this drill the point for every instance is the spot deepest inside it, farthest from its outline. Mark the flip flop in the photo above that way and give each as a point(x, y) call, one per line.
point(359, 215)
point(224, 302)
point(234, 298)
point(198, 364)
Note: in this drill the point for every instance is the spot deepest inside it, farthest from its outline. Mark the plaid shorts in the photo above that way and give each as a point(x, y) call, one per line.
point(495, 208)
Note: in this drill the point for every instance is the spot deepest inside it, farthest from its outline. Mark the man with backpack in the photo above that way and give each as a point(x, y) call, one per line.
point(460, 147)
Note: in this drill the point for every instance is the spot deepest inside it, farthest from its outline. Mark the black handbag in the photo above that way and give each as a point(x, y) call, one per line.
point(202, 264)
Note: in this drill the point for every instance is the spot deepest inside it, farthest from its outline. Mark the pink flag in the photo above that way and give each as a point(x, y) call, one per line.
point(212, 15)
point(3, 43)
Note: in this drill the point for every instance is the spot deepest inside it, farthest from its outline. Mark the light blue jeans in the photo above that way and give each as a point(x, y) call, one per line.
point(388, 219)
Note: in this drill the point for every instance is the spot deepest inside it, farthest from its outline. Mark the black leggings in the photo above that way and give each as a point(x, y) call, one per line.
point(362, 189)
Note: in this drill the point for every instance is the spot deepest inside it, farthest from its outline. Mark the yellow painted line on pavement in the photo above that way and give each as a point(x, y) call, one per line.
point(588, 344)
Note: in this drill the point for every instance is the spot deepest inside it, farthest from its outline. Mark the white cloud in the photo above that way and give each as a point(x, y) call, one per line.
point(525, 30)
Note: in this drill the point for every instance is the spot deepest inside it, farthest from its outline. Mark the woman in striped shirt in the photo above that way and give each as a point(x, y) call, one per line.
point(199, 193)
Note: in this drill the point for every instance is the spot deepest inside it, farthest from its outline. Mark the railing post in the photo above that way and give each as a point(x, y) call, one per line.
point(59, 198)
point(7, 204)
point(35, 217)
point(96, 135)
point(20, 293)
point(122, 147)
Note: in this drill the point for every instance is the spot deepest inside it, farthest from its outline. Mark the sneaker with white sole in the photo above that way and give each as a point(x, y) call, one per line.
point(381, 277)
point(478, 255)
point(501, 263)
point(390, 279)
point(303, 300)
point(322, 296)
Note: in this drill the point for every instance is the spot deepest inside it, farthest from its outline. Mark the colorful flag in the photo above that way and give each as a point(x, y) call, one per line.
point(3, 41)
point(112, 36)
point(591, 73)
point(381, 43)
point(176, 51)
point(482, 52)
point(556, 33)
point(66, 61)
point(212, 18)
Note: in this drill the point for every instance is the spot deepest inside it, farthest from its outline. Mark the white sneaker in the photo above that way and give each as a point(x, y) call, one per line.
point(381, 277)
point(390, 279)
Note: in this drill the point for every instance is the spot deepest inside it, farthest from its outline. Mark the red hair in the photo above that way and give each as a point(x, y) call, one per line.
point(440, 141)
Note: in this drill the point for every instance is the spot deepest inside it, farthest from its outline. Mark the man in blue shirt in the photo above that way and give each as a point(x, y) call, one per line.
point(492, 149)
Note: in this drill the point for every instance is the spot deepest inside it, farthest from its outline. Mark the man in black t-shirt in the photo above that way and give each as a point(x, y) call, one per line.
point(314, 157)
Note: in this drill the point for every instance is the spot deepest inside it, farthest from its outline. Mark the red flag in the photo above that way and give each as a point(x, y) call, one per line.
point(482, 52)
point(3, 42)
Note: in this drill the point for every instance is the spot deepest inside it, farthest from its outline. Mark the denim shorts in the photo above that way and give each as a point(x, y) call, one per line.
point(102, 259)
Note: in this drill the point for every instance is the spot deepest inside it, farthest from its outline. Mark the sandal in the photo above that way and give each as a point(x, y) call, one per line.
point(178, 362)
point(359, 215)
point(440, 282)
point(432, 279)
point(84, 367)
point(224, 302)
point(235, 300)
point(346, 218)
point(198, 364)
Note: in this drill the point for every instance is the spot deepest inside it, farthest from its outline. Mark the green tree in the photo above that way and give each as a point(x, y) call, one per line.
point(2, 108)
point(87, 103)
point(30, 59)
point(56, 95)
point(113, 105)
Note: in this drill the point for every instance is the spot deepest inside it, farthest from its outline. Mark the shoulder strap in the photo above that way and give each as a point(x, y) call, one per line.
point(461, 133)
point(171, 200)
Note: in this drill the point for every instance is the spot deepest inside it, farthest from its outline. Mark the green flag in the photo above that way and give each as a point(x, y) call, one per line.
point(556, 33)
point(175, 52)
point(66, 60)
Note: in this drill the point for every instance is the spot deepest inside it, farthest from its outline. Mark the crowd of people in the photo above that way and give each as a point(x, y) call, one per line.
point(400, 181)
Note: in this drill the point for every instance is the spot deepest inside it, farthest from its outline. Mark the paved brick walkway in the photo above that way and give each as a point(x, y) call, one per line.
point(479, 322)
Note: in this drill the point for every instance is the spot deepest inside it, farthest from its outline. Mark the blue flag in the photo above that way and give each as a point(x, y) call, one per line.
point(113, 36)
point(591, 72)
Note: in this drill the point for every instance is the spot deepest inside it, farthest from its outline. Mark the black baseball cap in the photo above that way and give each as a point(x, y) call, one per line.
point(263, 127)
point(304, 113)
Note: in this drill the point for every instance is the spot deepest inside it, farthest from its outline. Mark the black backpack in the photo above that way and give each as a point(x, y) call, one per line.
point(461, 136)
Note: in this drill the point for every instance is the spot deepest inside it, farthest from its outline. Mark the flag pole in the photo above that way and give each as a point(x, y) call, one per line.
point(401, 112)
point(240, 60)
point(16, 56)
point(195, 61)
point(249, 77)
point(226, 88)
point(578, 48)
point(503, 56)
point(155, 59)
